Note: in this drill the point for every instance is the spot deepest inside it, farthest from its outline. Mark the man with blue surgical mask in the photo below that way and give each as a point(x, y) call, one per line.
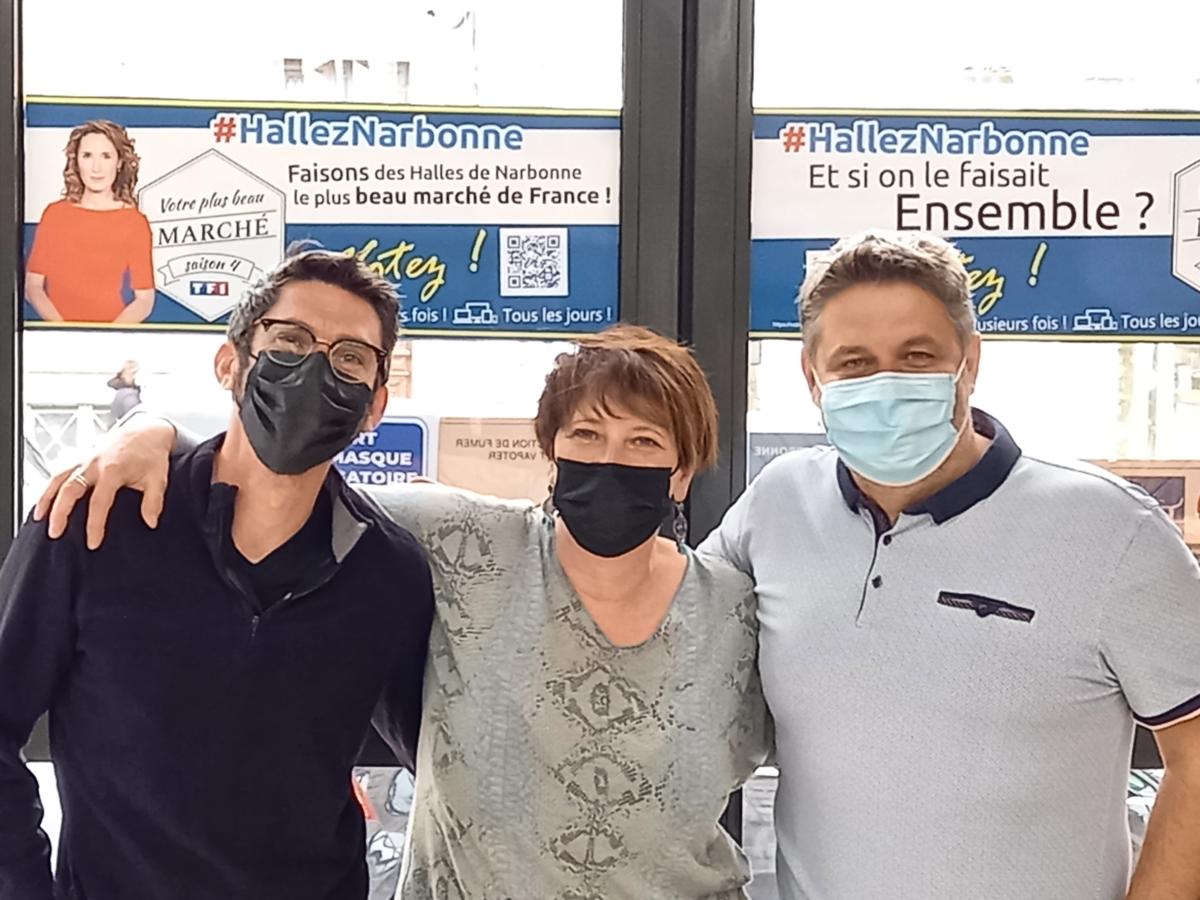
point(895, 429)
point(950, 627)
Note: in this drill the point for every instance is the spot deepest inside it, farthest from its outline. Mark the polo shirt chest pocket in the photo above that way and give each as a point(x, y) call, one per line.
point(975, 659)
point(980, 635)
point(989, 609)
point(983, 606)
point(980, 619)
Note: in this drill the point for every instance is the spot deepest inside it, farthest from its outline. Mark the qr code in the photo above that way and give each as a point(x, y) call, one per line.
point(533, 262)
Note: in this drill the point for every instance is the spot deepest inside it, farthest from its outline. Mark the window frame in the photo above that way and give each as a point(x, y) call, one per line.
point(11, 160)
point(686, 147)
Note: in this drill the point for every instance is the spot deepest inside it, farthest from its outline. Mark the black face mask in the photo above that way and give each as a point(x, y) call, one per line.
point(609, 508)
point(297, 417)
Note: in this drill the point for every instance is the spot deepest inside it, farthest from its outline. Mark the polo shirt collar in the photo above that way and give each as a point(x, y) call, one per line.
point(961, 494)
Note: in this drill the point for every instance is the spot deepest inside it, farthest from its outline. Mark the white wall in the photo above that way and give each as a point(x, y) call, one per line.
point(1022, 54)
point(520, 52)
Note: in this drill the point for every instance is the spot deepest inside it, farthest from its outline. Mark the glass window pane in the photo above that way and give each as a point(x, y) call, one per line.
point(1114, 381)
point(491, 285)
point(532, 53)
point(952, 55)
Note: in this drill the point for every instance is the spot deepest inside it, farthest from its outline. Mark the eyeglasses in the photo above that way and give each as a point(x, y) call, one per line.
point(290, 343)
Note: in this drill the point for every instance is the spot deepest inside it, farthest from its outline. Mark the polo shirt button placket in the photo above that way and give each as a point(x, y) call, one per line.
point(877, 581)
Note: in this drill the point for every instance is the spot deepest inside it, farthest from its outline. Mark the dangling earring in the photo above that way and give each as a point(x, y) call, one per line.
point(680, 525)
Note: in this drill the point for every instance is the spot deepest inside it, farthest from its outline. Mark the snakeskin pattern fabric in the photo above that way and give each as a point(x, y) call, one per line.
point(553, 764)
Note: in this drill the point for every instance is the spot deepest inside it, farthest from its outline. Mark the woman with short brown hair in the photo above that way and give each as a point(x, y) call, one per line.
point(656, 373)
point(593, 696)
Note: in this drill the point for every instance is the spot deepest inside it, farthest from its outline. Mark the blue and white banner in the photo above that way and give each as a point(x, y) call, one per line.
point(394, 453)
point(1073, 226)
point(153, 213)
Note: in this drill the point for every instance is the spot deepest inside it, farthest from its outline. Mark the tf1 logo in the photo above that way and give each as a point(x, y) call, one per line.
point(209, 288)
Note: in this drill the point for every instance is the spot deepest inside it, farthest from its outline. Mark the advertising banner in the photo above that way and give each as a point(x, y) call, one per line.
point(394, 453)
point(1073, 226)
point(143, 213)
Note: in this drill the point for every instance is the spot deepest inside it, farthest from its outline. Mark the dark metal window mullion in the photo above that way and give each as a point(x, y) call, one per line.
point(11, 220)
point(715, 244)
point(651, 156)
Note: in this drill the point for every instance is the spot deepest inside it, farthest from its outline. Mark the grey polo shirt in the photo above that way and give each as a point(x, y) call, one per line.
point(955, 695)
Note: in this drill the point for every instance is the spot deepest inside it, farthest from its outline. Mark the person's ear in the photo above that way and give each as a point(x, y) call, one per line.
point(681, 484)
point(378, 407)
point(225, 366)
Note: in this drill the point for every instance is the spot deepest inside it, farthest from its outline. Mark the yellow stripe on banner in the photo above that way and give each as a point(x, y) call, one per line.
point(120, 326)
point(1096, 338)
point(513, 335)
point(1061, 338)
point(323, 106)
point(219, 328)
point(975, 113)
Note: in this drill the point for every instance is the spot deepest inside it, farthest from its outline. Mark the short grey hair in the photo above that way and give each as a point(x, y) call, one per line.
point(308, 261)
point(876, 257)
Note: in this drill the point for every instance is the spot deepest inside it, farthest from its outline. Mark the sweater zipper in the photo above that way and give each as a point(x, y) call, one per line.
point(291, 597)
point(256, 617)
point(223, 548)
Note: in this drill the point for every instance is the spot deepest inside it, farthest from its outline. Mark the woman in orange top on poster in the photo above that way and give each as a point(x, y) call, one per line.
point(88, 240)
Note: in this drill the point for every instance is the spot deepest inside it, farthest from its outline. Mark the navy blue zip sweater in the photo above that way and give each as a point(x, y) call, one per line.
point(202, 749)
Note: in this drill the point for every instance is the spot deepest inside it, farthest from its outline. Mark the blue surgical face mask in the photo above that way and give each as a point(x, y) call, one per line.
point(894, 428)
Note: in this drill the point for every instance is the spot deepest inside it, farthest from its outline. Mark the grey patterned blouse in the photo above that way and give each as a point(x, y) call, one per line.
point(554, 765)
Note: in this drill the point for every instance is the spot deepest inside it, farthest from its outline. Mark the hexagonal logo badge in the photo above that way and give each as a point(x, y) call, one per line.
point(1185, 239)
point(217, 227)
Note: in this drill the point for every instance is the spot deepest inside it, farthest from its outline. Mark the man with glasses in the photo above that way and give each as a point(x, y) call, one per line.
point(210, 682)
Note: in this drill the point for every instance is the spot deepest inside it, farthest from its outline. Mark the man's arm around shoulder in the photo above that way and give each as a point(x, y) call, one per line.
point(37, 639)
